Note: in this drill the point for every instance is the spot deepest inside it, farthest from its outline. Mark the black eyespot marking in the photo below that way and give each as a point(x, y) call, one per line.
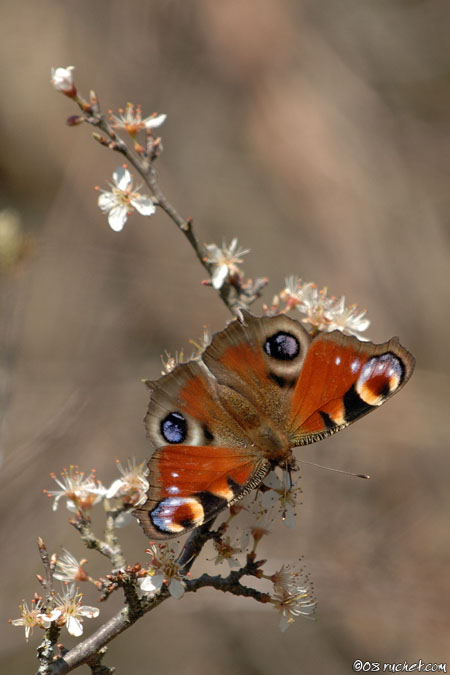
point(282, 346)
point(208, 433)
point(174, 428)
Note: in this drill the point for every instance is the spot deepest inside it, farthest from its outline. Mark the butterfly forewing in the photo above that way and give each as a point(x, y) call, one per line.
point(260, 359)
point(343, 379)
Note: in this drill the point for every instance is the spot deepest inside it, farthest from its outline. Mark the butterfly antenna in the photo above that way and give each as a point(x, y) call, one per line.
point(329, 468)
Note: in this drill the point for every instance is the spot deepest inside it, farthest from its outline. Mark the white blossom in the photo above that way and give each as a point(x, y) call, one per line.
point(292, 596)
point(226, 551)
point(349, 319)
point(81, 492)
point(62, 80)
point(131, 120)
point(133, 486)
point(224, 261)
point(122, 200)
point(70, 612)
point(68, 568)
point(163, 570)
point(325, 313)
point(30, 618)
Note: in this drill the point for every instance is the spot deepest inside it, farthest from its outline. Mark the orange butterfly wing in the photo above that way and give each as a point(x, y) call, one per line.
point(189, 485)
point(341, 380)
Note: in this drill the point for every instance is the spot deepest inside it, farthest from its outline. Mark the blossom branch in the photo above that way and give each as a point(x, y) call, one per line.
point(235, 294)
point(86, 650)
point(145, 589)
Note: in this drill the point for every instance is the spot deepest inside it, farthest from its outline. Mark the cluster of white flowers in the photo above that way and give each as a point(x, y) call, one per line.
point(292, 596)
point(68, 611)
point(122, 199)
point(323, 312)
point(278, 497)
point(83, 492)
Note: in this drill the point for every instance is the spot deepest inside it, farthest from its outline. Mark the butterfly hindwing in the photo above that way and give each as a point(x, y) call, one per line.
point(185, 408)
point(189, 485)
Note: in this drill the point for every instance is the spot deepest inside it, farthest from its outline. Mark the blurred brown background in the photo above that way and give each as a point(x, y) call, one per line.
point(317, 131)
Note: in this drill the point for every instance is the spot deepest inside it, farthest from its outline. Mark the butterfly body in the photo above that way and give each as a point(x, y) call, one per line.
point(220, 424)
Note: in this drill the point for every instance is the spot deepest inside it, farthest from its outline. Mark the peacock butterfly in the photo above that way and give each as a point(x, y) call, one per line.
point(263, 386)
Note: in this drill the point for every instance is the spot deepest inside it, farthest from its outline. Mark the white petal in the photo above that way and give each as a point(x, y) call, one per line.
point(213, 250)
point(245, 539)
point(269, 498)
point(272, 481)
point(176, 589)
point(107, 201)
point(51, 616)
point(219, 276)
point(122, 178)
point(289, 519)
point(71, 506)
point(62, 78)
point(144, 205)
point(114, 489)
point(55, 503)
point(232, 246)
point(74, 626)
point(17, 622)
point(90, 612)
point(363, 324)
point(151, 584)
point(117, 217)
point(153, 122)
